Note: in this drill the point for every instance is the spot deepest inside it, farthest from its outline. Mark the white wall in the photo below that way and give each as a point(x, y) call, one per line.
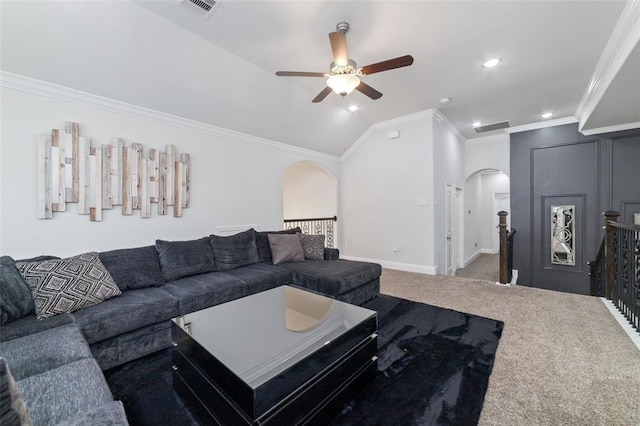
point(448, 167)
point(487, 152)
point(492, 183)
point(472, 218)
point(236, 179)
point(381, 181)
point(309, 191)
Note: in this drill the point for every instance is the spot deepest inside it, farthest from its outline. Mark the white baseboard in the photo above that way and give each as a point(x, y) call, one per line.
point(471, 258)
point(624, 323)
point(488, 251)
point(407, 267)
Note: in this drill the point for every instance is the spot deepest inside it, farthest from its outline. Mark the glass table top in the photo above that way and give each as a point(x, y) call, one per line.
point(260, 336)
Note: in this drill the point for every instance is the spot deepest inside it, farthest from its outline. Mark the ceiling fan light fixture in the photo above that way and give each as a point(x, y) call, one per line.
point(343, 84)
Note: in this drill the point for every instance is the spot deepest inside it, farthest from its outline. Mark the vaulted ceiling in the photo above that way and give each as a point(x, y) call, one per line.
point(221, 70)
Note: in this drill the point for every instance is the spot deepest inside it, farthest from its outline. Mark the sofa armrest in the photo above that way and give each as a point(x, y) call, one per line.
point(331, 253)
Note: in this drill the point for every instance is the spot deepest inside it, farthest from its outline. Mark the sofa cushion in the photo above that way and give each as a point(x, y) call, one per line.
point(183, 258)
point(134, 267)
point(132, 310)
point(236, 250)
point(262, 242)
point(205, 290)
point(65, 392)
point(285, 248)
point(332, 277)
point(66, 285)
point(40, 352)
point(261, 276)
point(13, 410)
point(110, 414)
point(30, 324)
point(15, 297)
point(312, 246)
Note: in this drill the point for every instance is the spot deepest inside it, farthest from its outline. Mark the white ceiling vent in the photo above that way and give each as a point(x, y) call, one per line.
point(203, 8)
point(493, 126)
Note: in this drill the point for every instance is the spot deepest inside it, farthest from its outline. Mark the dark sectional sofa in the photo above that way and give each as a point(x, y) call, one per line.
point(157, 283)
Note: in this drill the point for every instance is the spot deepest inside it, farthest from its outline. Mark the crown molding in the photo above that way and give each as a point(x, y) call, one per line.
point(397, 121)
point(442, 119)
point(66, 94)
point(623, 39)
point(541, 125)
point(610, 129)
point(485, 139)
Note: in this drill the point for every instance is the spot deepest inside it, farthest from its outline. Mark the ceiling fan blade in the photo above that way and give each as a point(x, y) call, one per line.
point(339, 47)
point(402, 61)
point(322, 95)
point(299, 74)
point(369, 91)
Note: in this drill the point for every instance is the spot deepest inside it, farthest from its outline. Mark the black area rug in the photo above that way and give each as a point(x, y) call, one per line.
point(434, 366)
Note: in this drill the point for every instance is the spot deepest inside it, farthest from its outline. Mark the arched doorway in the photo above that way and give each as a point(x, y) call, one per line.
point(310, 191)
point(486, 192)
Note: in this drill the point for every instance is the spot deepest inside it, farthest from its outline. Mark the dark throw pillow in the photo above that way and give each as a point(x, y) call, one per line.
point(183, 258)
point(262, 241)
point(66, 285)
point(133, 268)
point(15, 297)
point(285, 248)
point(312, 246)
point(236, 250)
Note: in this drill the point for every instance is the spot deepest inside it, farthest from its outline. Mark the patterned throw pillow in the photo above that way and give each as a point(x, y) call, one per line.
point(66, 285)
point(313, 246)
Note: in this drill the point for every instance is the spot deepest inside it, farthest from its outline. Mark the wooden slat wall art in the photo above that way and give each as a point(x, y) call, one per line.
point(114, 174)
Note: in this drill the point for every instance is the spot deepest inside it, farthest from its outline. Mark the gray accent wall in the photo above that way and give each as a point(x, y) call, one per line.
point(559, 166)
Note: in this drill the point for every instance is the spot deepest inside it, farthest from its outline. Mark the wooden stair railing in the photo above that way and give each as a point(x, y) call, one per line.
point(506, 249)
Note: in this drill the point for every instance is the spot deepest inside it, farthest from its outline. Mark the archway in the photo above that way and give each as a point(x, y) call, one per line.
point(486, 192)
point(310, 191)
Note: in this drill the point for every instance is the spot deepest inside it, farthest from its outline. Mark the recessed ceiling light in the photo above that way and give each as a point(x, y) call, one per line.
point(547, 115)
point(445, 101)
point(491, 62)
point(352, 108)
point(477, 124)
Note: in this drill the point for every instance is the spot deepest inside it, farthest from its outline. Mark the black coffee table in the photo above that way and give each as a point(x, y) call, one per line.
point(282, 356)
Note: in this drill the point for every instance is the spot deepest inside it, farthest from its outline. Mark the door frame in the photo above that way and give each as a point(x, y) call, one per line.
point(454, 215)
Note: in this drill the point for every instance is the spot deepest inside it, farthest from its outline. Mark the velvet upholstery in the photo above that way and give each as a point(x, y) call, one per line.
point(30, 324)
point(234, 251)
point(132, 310)
point(261, 276)
point(13, 410)
point(262, 242)
point(131, 345)
point(134, 267)
point(15, 297)
point(285, 248)
point(110, 414)
point(205, 290)
point(65, 392)
point(37, 353)
point(183, 258)
point(334, 278)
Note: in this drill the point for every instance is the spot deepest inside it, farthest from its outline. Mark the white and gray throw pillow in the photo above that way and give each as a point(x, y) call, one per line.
point(313, 246)
point(66, 285)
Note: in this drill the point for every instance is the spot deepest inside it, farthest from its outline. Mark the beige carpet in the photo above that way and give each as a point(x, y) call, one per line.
point(562, 358)
point(484, 267)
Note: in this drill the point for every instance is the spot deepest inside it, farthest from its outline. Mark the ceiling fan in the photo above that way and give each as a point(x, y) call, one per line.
point(344, 75)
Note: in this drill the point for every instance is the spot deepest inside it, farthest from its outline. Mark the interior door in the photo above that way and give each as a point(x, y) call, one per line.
point(448, 210)
point(501, 202)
